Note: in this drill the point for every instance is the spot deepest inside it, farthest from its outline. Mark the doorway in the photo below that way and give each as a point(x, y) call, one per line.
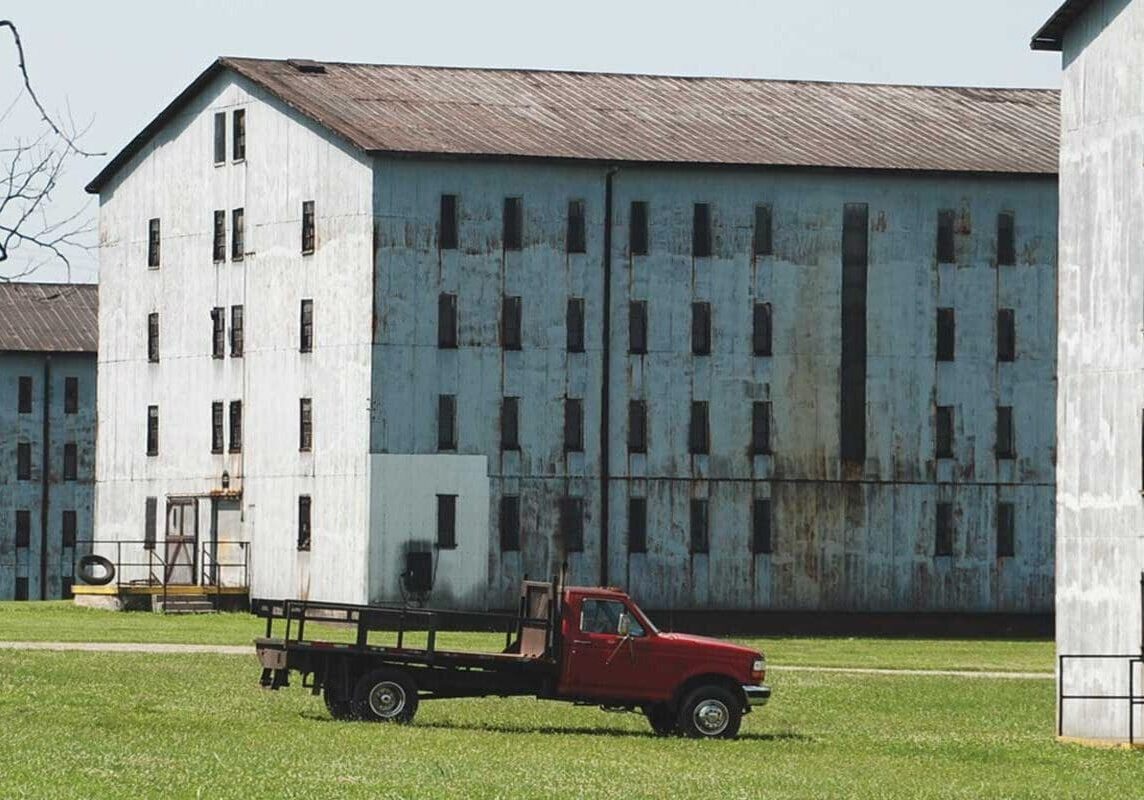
point(182, 540)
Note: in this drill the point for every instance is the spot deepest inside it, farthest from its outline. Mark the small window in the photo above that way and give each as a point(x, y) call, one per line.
point(637, 426)
point(447, 224)
point(236, 426)
point(572, 523)
point(68, 528)
point(66, 584)
point(71, 395)
point(761, 427)
point(446, 422)
point(943, 536)
point(447, 321)
point(1006, 447)
point(637, 327)
point(153, 337)
point(510, 323)
point(946, 334)
point(236, 336)
point(447, 521)
point(308, 233)
point(603, 617)
point(150, 522)
point(763, 244)
point(638, 229)
point(305, 425)
point(761, 527)
point(700, 541)
point(304, 522)
point(945, 248)
point(575, 239)
point(219, 236)
point(1006, 335)
point(306, 328)
point(71, 458)
point(21, 589)
point(1006, 545)
point(220, 137)
point(152, 430)
point(513, 223)
point(509, 523)
point(701, 231)
point(24, 400)
point(239, 134)
point(153, 243)
point(218, 332)
point(1006, 239)
point(701, 329)
point(573, 425)
point(24, 461)
point(943, 433)
point(216, 427)
point(697, 431)
point(761, 330)
point(237, 234)
point(574, 322)
point(23, 528)
point(510, 423)
point(637, 524)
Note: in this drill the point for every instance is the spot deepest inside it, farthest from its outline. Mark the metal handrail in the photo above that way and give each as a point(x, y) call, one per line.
point(1133, 699)
point(156, 565)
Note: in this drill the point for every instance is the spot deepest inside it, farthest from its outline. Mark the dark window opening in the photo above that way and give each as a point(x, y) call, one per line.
point(637, 327)
point(219, 236)
point(697, 431)
point(68, 528)
point(573, 425)
point(218, 332)
point(572, 523)
point(24, 461)
point(761, 527)
point(943, 435)
point(945, 248)
point(513, 228)
point(638, 229)
point(700, 540)
point(1006, 335)
point(71, 395)
point(943, 535)
point(71, 461)
point(852, 375)
point(1006, 239)
point(216, 427)
point(150, 522)
point(761, 427)
point(637, 524)
point(304, 522)
point(236, 334)
point(236, 426)
point(574, 322)
point(23, 528)
point(509, 523)
point(1006, 447)
point(21, 589)
point(946, 334)
point(447, 321)
point(761, 329)
point(511, 323)
point(306, 327)
point(239, 134)
point(446, 422)
point(1006, 544)
point(24, 395)
point(446, 521)
point(308, 224)
point(763, 241)
point(701, 329)
point(510, 423)
point(575, 239)
point(701, 231)
point(66, 584)
point(152, 430)
point(220, 137)
point(237, 234)
point(305, 425)
point(153, 242)
point(637, 426)
point(153, 337)
point(447, 224)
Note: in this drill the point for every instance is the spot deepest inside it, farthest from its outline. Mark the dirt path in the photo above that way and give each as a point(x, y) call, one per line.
point(247, 650)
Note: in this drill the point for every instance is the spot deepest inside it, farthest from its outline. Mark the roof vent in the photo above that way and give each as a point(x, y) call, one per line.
point(307, 65)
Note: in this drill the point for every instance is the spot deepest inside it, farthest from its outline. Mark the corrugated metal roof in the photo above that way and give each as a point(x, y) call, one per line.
point(1052, 33)
point(49, 317)
point(656, 119)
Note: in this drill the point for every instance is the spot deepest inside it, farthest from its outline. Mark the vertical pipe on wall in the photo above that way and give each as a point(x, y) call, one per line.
point(605, 382)
point(45, 476)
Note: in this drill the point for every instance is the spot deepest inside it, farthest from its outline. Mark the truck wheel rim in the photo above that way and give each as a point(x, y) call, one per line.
point(387, 699)
point(711, 717)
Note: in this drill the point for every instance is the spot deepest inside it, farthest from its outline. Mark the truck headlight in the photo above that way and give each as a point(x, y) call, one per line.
point(760, 665)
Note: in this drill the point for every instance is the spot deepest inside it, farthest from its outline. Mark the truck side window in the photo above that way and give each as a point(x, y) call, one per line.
point(603, 616)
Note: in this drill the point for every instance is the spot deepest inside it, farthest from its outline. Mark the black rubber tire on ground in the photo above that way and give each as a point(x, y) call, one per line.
point(385, 695)
point(711, 712)
point(662, 719)
point(339, 708)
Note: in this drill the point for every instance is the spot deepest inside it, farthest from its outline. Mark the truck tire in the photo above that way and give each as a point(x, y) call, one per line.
point(662, 719)
point(710, 712)
point(338, 707)
point(87, 567)
point(385, 695)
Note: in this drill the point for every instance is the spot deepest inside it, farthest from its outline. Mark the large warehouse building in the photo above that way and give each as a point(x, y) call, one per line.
point(730, 344)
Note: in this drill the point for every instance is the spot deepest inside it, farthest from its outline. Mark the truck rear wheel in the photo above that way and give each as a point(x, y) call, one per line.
point(385, 695)
point(662, 719)
point(338, 706)
point(710, 712)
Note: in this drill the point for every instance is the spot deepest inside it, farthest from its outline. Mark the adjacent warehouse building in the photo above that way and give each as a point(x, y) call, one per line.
point(47, 435)
point(1100, 495)
point(730, 344)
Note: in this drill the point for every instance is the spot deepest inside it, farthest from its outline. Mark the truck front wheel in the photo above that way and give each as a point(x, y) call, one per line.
point(662, 719)
point(710, 712)
point(385, 695)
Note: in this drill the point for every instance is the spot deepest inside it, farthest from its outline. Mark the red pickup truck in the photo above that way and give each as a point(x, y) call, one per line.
point(590, 646)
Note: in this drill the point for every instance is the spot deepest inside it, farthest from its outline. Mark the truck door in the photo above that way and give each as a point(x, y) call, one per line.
point(600, 663)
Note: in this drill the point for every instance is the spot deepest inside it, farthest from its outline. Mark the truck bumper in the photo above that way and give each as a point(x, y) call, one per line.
point(757, 695)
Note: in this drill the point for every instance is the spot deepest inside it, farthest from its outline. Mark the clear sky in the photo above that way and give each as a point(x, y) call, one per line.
point(116, 63)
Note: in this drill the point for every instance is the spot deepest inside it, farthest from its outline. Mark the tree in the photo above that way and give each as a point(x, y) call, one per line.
point(30, 170)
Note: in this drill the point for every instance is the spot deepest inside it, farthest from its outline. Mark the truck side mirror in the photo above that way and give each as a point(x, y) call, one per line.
point(624, 626)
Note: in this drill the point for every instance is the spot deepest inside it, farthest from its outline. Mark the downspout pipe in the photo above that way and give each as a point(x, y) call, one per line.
point(606, 379)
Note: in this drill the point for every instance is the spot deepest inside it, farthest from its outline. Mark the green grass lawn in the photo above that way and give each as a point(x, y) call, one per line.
point(64, 622)
point(98, 725)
